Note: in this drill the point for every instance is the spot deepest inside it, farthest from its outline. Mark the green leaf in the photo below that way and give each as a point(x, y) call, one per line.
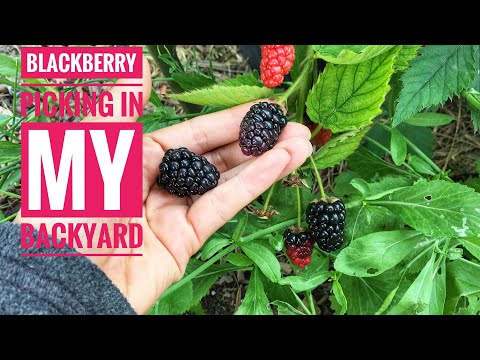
point(240, 229)
point(338, 149)
point(429, 119)
point(191, 81)
point(370, 166)
point(264, 258)
point(279, 292)
point(366, 295)
point(439, 291)
point(161, 118)
point(154, 99)
point(418, 295)
point(437, 208)
point(441, 72)
point(406, 53)
point(244, 79)
point(472, 244)
point(387, 302)
point(300, 55)
point(473, 307)
point(463, 279)
point(218, 95)
point(388, 183)
point(176, 302)
point(9, 151)
point(420, 165)
point(375, 253)
point(255, 301)
point(284, 308)
point(212, 246)
point(348, 97)
point(367, 219)
point(398, 147)
point(349, 54)
point(340, 297)
point(315, 274)
point(238, 259)
point(7, 66)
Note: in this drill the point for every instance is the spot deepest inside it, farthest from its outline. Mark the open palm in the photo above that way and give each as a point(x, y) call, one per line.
point(175, 228)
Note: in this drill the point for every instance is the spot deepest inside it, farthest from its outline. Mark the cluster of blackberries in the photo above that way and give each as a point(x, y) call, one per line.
point(326, 220)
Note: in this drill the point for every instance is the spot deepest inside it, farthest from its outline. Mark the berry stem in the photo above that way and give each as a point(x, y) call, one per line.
point(300, 302)
point(299, 207)
point(316, 131)
point(269, 196)
point(319, 178)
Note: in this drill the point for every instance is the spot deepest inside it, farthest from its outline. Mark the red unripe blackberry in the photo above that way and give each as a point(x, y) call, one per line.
point(277, 61)
point(183, 173)
point(299, 246)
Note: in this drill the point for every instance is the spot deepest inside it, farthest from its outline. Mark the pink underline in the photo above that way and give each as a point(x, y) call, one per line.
point(75, 85)
point(76, 254)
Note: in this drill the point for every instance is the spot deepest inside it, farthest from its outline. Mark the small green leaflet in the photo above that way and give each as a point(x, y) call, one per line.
point(338, 149)
point(441, 72)
point(398, 147)
point(429, 119)
point(244, 79)
point(218, 95)
point(7, 66)
point(264, 258)
point(406, 53)
point(373, 254)
point(364, 220)
point(439, 291)
point(418, 295)
point(420, 165)
point(473, 245)
point(9, 151)
point(238, 259)
point(474, 109)
point(348, 97)
point(340, 297)
point(437, 208)
point(255, 301)
point(284, 308)
point(349, 54)
point(315, 275)
point(176, 302)
point(212, 246)
point(192, 81)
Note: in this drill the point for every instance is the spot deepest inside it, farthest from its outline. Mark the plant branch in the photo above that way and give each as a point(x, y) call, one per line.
point(319, 178)
point(269, 196)
point(300, 302)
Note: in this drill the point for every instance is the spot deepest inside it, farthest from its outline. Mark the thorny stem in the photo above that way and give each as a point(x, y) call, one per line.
point(319, 178)
point(416, 149)
point(269, 196)
point(300, 302)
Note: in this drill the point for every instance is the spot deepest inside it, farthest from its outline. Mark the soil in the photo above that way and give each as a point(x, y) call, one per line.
point(457, 148)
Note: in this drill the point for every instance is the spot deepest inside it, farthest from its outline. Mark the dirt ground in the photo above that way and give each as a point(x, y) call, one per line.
point(456, 148)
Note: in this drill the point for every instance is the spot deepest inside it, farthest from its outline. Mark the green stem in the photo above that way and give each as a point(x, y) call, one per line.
point(269, 196)
point(299, 207)
point(268, 230)
point(300, 302)
point(316, 131)
point(301, 78)
point(319, 178)
point(8, 218)
point(162, 79)
point(416, 149)
point(309, 296)
point(471, 99)
point(16, 196)
point(225, 252)
point(200, 269)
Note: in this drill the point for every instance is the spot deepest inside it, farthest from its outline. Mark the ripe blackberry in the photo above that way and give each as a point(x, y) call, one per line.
point(277, 61)
point(326, 218)
point(183, 173)
point(261, 128)
point(299, 246)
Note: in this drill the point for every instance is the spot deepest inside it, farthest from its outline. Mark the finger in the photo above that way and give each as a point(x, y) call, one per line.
point(117, 91)
point(219, 205)
point(206, 132)
point(230, 156)
point(298, 148)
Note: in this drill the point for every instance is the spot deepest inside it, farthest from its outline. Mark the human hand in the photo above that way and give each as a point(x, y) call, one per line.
point(175, 228)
